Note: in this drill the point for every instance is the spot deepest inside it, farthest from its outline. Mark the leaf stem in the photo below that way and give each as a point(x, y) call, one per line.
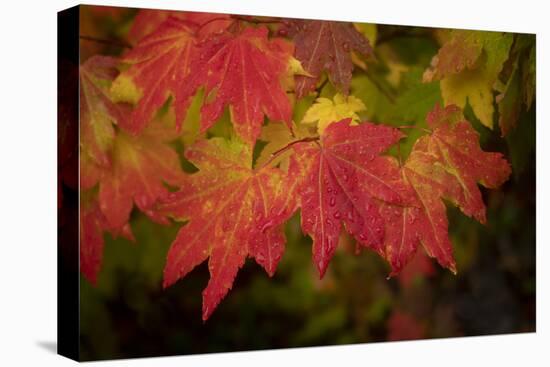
point(320, 88)
point(280, 151)
point(208, 22)
point(414, 127)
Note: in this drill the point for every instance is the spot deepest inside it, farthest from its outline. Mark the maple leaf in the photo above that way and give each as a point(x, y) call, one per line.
point(157, 69)
point(456, 145)
point(325, 111)
point(342, 178)
point(278, 138)
point(325, 45)
point(459, 52)
point(447, 164)
point(426, 221)
point(98, 113)
point(243, 71)
point(233, 211)
point(468, 65)
point(148, 20)
point(128, 168)
point(140, 168)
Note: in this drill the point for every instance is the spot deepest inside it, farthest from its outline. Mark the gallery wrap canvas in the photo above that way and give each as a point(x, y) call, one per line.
point(237, 182)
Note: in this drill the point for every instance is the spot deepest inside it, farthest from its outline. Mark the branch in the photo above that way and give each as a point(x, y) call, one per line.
point(379, 87)
point(256, 20)
point(117, 43)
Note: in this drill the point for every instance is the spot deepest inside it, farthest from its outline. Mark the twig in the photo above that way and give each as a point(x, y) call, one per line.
point(255, 20)
point(117, 43)
point(379, 87)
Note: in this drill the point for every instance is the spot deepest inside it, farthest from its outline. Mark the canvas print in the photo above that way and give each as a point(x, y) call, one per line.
point(235, 182)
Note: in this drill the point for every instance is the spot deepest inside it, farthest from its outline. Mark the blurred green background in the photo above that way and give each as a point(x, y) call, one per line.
point(128, 314)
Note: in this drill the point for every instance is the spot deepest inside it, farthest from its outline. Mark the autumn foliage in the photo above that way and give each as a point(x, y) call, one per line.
point(339, 172)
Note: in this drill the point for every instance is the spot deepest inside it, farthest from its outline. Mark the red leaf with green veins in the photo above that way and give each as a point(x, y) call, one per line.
point(158, 66)
point(325, 46)
point(244, 72)
point(232, 211)
point(97, 112)
point(343, 177)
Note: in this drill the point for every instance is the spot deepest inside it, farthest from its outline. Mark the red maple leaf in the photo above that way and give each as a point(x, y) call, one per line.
point(325, 45)
point(231, 209)
point(343, 179)
point(455, 144)
point(243, 71)
point(140, 168)
point(129, 169)
point(98, 114)
point(447, 164)
point(158, 66)
point(148, 20)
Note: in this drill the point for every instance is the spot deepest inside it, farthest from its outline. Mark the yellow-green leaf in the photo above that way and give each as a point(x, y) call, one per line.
point(325, 111)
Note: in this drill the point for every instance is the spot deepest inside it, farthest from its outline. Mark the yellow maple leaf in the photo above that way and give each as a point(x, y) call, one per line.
point(468, 65)
point(277, 136)
point(326, 111)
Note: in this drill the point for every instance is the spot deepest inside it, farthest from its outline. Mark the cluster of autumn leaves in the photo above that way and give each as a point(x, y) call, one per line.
point(331, 167)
